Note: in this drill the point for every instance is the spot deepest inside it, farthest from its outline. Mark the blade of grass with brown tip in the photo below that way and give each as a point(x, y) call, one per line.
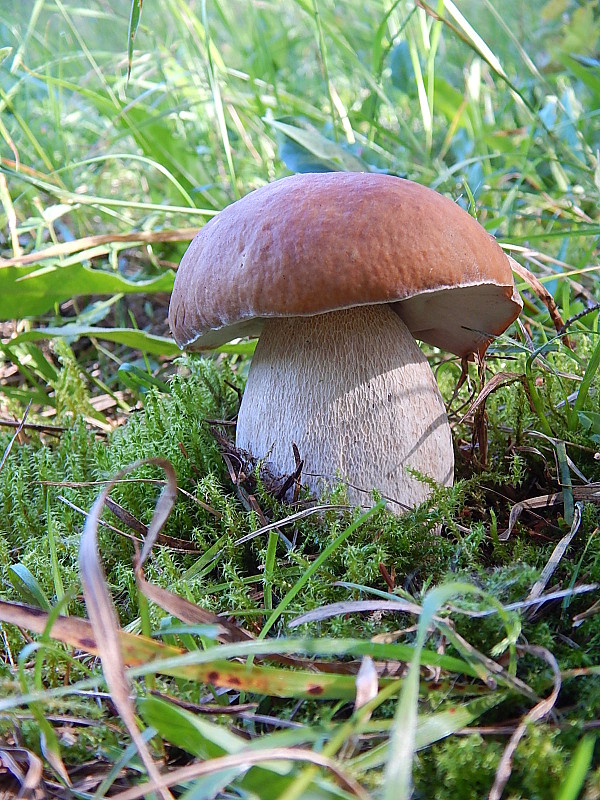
point(105, 624)
point(146, 656)
point(134, 21)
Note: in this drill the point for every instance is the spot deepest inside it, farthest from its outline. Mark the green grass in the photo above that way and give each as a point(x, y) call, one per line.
point(496, 106)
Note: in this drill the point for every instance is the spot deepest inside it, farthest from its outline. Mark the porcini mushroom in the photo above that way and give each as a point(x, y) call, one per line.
point(337, 273)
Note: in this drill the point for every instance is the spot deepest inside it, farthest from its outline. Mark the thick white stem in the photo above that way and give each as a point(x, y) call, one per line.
point(353, 390)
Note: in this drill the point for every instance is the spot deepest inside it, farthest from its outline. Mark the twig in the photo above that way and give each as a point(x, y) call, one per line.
point(33, 426)
point(567, 324)
point(16, 435)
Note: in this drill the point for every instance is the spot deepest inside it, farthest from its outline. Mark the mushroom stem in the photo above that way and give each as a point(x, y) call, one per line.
point(353, 390)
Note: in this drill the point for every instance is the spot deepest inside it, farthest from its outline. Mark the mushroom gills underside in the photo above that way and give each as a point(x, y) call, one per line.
point(355, 393)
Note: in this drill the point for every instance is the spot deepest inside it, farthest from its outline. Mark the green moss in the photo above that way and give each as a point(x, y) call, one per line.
point(457, 768)
point(171, 426)
point(71, 393)
point(464, 767)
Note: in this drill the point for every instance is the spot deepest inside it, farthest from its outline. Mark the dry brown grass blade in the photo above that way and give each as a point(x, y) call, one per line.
point(178, 606)
point(249, 758)
point(543, 501)
point(175, 604)
point(307, 512)
point(544, 295)
point(190, 613)
point(177, 545)
point(77, 245)
point(589, 612)
point(541, 710)
point(496, 382)
point(140, 650)
point(32, 786)
point(53, 430)
point(164, 504)
point(555, 557)
point(568, 270)
point(103, 616)
point(590, 493)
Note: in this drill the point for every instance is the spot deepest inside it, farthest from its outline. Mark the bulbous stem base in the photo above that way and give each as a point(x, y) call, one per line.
point(355, 393)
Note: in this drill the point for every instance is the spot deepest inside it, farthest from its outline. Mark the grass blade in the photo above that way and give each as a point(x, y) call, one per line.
point(579, 767)
point(403, 738)
point(134, 21)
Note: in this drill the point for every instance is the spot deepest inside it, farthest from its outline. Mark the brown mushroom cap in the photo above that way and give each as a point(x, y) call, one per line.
point(315, 243)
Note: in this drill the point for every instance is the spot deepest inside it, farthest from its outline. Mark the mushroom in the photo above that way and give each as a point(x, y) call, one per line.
point(337, 273)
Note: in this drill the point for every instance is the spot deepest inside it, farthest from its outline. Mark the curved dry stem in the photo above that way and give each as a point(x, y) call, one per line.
point(248, 758)
point(542, 709)
point(103, 616)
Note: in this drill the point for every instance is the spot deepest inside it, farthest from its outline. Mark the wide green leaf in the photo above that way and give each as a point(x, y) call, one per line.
point(33, 290)
point(139, 340)
point(132, 337)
